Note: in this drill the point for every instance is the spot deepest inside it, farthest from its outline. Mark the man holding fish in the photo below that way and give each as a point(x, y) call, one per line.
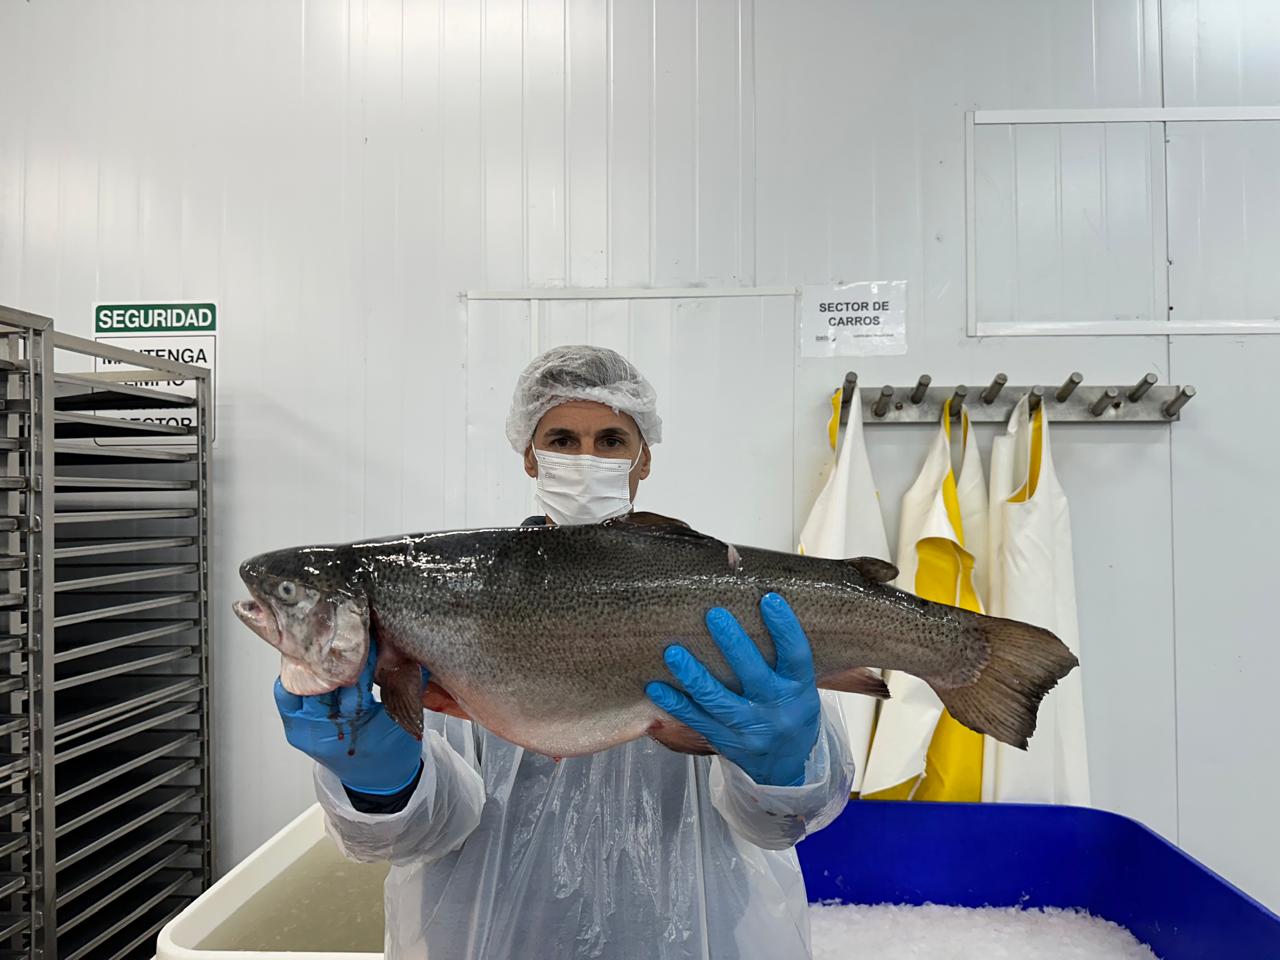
point(558, 799)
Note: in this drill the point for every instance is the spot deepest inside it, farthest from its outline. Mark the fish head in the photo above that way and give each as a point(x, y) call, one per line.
point(308, 604)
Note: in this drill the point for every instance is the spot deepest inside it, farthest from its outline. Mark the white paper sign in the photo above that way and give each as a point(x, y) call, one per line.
point(854, 319)
point(200, 350)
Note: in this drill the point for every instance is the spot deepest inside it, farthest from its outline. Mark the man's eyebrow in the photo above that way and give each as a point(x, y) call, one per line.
point(562, 432)
point(607, 432)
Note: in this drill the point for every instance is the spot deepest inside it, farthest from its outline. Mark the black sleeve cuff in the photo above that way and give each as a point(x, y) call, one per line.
point(378, 803)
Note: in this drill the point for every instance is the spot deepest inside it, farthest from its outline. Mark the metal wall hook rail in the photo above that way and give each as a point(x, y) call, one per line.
point(1074, 402)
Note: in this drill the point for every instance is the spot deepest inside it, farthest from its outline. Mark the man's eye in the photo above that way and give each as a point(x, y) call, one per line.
point(612, 443)
point(561, 442)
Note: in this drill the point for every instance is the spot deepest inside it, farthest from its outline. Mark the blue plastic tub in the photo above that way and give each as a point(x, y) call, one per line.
point(1002, 855)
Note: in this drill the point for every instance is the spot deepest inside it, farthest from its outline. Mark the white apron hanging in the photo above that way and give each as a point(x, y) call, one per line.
point(1031, 578)
point(846, 522)
point(911, 733)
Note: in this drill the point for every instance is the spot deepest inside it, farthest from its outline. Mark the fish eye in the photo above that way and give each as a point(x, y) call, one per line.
point(287, 591)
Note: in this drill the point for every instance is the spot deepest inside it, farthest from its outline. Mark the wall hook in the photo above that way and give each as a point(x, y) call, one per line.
point(1035, 397)
point(997, 384)
point(1100, 405)
point(882, 402)
point(1171, 408)
point(1069, 387)
point(1141, 387)
point(957, 400)
point(922, 387)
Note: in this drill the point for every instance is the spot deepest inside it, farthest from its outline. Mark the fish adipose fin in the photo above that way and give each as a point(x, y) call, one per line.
point(858, 680)
point(400, 681)
point(873, 568)
point(1024, 663)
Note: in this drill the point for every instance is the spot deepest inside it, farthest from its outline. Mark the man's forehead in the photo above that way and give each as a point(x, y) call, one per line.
point(585, 417)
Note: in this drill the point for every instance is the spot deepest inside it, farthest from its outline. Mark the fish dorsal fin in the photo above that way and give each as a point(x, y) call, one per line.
point(873, 568)
point(658, 525)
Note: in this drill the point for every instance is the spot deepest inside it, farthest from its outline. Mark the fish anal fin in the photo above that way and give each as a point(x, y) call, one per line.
point(679, 738)
point(400, 680)
point(856, 680)
point(437, 698)
point(873, 568)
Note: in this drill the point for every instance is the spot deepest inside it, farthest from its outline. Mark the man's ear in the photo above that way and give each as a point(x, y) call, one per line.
point(530, 462)
point(645, 461)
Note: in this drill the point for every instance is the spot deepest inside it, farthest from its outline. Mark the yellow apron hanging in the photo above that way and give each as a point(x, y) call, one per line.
point(918, 751)
point(1031, 578)
point(846, 522)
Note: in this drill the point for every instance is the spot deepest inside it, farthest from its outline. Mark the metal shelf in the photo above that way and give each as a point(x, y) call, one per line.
point(116, 662)
point(119, 483)
point(104, 546)
point(160, 838)
point(13, 763)
point(106, 637)
point(82, 773)
point(86, 909)
point(87, 393)
point(133, 905)
point(64, 517)
point(114, 729)
point(155, 601)
point(81, 454)
point(105, 775)
point(132, 817)
point(85, 425)
point(122, 574)
point(86, 809)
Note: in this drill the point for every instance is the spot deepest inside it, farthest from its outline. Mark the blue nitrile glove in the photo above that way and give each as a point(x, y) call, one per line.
point(770, 728)
point(350, 733)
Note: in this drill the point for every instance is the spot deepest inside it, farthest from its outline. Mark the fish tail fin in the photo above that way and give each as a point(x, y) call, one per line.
point(1024, 663)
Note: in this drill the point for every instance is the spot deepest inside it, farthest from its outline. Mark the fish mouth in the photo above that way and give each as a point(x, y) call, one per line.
point(259, 618)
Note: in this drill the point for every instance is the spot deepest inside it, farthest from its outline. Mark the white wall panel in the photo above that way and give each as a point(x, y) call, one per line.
point(546, 177)
point(631, 163)
point(1221, 52)
point(1224, 220)
point(1225, 528)
point(1070, 222)
point(587, 141)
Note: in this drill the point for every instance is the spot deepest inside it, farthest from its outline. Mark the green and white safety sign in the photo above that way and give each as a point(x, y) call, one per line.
point(182, 332)
point(125, 318)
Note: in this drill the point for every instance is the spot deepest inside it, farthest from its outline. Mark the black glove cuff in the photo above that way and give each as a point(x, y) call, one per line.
point(383, 803)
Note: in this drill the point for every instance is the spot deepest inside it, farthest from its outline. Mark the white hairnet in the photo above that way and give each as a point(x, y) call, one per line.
point(581, 373)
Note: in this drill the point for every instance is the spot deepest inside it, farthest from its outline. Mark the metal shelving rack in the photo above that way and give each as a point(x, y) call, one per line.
point(105, 772)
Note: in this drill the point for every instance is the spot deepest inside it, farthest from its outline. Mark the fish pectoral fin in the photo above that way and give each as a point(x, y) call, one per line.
point(400, 680)
point(873, 568)
point(857, 680)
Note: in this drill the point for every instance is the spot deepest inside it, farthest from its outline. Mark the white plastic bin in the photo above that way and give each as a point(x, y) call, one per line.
point(293, 898)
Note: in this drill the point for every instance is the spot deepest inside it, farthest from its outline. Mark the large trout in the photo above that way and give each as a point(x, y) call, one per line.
point(547, 635)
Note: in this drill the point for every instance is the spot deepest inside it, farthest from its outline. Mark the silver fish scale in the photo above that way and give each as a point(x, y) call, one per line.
point(571, 620)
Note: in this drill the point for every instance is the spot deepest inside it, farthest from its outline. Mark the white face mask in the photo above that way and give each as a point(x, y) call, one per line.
point(579, 488)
